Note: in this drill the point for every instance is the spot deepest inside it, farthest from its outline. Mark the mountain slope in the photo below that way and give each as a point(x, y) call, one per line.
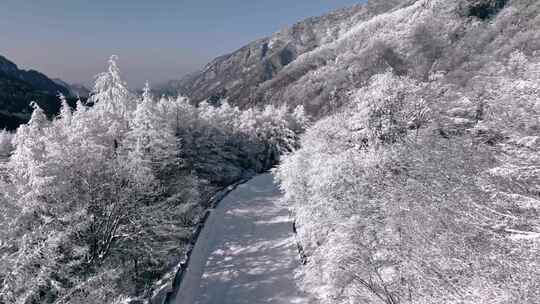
point(18, 88)
point(37, 80)
point(237, 75)
point(318, 61)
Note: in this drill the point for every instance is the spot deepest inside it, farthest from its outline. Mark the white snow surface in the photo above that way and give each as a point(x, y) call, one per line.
point(246, 254)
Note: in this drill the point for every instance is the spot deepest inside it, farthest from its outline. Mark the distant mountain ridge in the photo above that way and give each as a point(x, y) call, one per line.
point(18, 88)
point(37, 79)
point(75, 89)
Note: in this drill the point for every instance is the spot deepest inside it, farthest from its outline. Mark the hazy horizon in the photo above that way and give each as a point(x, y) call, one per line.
point(73, 40)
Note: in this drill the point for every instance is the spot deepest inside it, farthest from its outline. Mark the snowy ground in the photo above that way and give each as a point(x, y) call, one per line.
point(246, 253)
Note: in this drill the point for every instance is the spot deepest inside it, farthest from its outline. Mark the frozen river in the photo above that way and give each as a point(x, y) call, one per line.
point(246, 254)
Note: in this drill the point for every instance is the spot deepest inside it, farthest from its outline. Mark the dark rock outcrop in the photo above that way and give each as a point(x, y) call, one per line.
point(484, 9)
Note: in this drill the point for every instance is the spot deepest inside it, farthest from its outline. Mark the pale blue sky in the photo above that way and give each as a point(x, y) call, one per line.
point(156, 40)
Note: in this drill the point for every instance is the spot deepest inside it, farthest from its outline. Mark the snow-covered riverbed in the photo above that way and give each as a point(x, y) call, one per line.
point(246, 253)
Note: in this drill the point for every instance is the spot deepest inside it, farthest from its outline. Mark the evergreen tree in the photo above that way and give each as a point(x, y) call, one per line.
point(27, 165)
point(151, 140)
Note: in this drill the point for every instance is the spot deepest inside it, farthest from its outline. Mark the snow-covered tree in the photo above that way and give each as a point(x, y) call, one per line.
point(113, 103)
point(110, 93)
point(6, 145)
point(65, 111)
point(28, 162)
point(398, 200)
point(151, 142)
point(93, 193)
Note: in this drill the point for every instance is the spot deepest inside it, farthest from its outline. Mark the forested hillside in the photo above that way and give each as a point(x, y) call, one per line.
point(317, 61)
point(100, 203)
point(423, 186)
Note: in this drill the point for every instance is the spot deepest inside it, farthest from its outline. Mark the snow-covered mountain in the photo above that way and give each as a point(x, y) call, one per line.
point(239, 75)
point(317, 62)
